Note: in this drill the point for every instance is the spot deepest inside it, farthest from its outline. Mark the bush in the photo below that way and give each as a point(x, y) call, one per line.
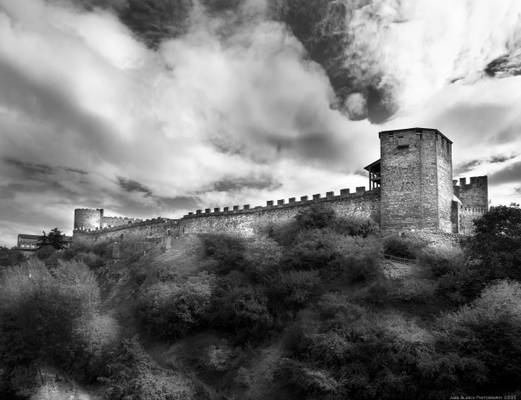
point(343, 352)
point(496, 244)
point(40, 312)
point(356, 226)
point(44, 252)
point(313, 249)
point(227, 251)
point(442, 260)
point(262, 259)
point(241, 310)
point(133, 375)
point(488, 331)
point(10, 257)
point(402, 247)
point(170, 309)
point(359, 259)
point(293, 289)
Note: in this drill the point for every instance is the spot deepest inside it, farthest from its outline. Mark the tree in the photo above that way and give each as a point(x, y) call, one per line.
point(55, 238)
point(496, 244)
point(9, 257)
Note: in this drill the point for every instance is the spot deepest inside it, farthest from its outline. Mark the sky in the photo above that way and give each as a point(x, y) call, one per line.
point(159, 107)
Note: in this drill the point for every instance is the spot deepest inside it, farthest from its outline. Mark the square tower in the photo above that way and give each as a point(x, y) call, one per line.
point(416, 180)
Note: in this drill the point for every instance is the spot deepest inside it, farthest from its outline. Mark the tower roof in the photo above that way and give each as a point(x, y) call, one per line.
point(416, 129)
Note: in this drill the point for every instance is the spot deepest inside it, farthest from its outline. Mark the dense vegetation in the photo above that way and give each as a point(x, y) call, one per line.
point(309, 310)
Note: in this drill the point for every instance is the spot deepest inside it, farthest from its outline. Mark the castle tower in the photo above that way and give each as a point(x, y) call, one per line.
point(88, 218)
point(416, 180)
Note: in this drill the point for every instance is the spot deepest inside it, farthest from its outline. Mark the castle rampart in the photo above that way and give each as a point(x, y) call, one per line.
point(474, 201)
point(245, 220)
point(411, 190)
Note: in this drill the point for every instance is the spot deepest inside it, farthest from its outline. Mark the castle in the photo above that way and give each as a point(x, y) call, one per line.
point(410, 189)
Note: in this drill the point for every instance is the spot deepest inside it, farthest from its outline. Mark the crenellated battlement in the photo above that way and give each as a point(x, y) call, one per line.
point(344, 194)
point(131, 224)
point(411, 189)
point(474, 181)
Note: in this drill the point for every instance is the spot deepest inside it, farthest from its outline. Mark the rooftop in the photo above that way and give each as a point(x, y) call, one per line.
point(416, 129)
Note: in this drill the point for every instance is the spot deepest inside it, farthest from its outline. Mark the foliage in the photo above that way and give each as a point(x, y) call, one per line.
point(227, 251)
point(356, 226)
point(489, 332)
point(132, 376)
point(402, 246)
point(45, 252)
point(171, 309)
point(55, 238)
point(496, 244)
point(10, 257)
point(41, 314)
point(262, 259)
point(342, 351)
point(292, 290)
point(441, 260)
point(240, 309)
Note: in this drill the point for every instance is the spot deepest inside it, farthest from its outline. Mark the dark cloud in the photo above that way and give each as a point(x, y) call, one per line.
point(237, 184)
point(30, 169)
point(324, 30)
point(470, 165)
point(509, 174)
point(181, 202)
point(466, 167)
point(130, 185)
point(505, 66)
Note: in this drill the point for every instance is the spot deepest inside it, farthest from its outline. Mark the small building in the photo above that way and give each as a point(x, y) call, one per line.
point(29, 243)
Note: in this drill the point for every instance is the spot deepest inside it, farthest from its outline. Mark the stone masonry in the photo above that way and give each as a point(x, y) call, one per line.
point(411, 189)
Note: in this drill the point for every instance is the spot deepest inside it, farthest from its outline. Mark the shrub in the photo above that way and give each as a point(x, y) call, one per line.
point(133, 375)
point(497, 244)
point(359, 259)
point(401, 247)
point(313, 249)
point(241, 311)
point(356, 226)
point(97, 335)
point(343, 352)
point(170, 309)
point(227, 251)
point(10, 257)
point(488, 331)
point(292, 290)
point(315, 217)
point(40, 311)
point(442, 260)
point(262, 259)
point(44, 252)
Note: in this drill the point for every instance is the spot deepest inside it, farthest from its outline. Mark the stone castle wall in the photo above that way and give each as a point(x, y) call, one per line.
point(416, 171)
point(445, 189)
point(243, 221)
point(117, 221)
point(86, 218)
point(474, 201)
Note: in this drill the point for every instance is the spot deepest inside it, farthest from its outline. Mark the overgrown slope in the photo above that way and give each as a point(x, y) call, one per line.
point(311, 310)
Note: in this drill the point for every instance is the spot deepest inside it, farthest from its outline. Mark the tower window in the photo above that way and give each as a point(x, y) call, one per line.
point(403, 142)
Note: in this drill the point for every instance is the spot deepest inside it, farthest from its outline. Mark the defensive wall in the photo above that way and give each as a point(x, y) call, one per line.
point(244, 221)
point(473, 198)
point(411, 190)
point(91, 219)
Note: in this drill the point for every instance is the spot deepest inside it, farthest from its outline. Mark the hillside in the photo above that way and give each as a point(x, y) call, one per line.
point(319, 308)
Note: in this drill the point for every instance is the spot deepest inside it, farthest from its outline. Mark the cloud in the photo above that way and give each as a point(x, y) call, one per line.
point(130, 185)
point(234, 104)
point(510, 174)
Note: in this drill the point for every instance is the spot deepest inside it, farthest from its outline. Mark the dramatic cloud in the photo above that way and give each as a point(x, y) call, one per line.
point(159, 107)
